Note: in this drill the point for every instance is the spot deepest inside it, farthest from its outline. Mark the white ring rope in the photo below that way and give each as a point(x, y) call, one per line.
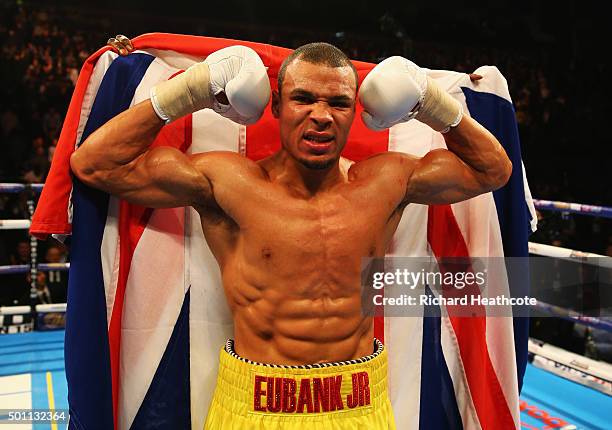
point(585, 371)
point(560, 252)
point(15, 224)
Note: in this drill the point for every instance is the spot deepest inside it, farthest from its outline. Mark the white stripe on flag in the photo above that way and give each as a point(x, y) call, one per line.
point(158, 71)
point(212, 132)
point(529, 199)
point(493, 82)
point(109, 250)
point(95, 80)
point(210, 321)
point(154, 295)
point(404, 341)
point(404, 336)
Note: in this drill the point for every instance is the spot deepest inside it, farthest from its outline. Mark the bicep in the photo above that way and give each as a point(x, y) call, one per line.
point(440, 177)
point(162, 177)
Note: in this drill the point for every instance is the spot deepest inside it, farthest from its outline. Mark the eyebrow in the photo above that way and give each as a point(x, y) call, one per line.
point(305, 93)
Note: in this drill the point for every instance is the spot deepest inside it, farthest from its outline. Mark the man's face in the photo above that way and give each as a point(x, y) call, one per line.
point(23, 250)
point(41, 279)
point(315, 112)
point(53, 255)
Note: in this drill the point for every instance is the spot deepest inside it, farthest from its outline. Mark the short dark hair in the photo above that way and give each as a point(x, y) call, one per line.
point(317, 53)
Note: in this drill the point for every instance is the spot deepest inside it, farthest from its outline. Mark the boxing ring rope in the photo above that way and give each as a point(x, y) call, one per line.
point(583, 370)
point(560, 252)
point(14, 224)
point(25, 268)
point(10, 187)
point(575, 317)
point(24, 224)
point(19, 310)
point(577, 208)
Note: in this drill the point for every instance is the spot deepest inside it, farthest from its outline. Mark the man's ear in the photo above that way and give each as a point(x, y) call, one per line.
point(275, 104)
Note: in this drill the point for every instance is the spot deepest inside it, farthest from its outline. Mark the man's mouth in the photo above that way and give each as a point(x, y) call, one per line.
point(318, 143)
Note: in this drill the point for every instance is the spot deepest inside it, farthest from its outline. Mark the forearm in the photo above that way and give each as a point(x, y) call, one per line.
point(480, 151)
point(118, 142)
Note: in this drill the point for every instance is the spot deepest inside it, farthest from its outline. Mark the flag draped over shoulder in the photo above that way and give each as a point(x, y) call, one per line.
point(146, 311)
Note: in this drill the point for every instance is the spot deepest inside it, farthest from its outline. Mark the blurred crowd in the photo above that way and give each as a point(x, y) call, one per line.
point(50, 286)
point(43, 47)
point(40, 65)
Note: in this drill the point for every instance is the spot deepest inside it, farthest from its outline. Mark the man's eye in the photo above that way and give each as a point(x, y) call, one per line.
point(302, 99)
point(342, 105)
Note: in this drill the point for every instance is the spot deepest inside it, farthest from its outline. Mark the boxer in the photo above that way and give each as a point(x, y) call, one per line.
point(289, 231)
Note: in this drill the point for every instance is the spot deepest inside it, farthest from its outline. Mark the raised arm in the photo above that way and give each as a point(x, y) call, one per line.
point(475, 163)
point(396, 91)
point(117, 157)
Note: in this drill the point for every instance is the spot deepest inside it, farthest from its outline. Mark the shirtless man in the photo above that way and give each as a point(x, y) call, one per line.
point(289, 231)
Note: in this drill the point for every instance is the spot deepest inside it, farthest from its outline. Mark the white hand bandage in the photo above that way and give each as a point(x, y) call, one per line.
point(397, 90)
point(237, 70)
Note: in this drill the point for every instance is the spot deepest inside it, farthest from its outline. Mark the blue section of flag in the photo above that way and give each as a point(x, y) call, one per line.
point(87, 351)
point(167, 402)
point(438, 405)
point(497, 115)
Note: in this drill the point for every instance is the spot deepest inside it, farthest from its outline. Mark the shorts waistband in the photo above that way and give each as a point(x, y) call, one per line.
point(353, 386)
point(378, 349)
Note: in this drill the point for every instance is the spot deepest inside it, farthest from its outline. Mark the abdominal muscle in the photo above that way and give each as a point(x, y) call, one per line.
point(292, 270)
point(303, 317)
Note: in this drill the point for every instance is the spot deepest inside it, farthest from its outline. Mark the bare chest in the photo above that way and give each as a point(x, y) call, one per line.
point(314, 234)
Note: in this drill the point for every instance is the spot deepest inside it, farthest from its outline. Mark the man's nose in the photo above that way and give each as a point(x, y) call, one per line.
point(321, 114)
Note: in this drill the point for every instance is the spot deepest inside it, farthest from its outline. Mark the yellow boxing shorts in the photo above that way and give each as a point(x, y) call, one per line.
point(340, 396)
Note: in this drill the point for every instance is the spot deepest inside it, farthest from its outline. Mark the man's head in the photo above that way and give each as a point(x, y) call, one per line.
point(23, 250)
point(315, 103)
point(53, 255)
point(41, 279)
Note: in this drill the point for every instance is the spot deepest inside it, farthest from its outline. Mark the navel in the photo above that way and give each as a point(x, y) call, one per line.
point(266, 253)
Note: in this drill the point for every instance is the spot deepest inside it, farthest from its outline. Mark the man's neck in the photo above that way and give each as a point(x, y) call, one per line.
point(307, 181)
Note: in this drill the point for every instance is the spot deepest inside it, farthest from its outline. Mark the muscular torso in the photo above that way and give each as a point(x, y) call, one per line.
point(290, 262)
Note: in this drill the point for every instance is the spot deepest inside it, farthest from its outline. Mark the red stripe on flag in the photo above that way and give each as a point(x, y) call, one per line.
point(263, 137)
point(133, 220)
point(446, 240)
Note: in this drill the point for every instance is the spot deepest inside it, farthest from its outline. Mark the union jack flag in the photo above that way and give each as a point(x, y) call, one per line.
point(146, 312)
